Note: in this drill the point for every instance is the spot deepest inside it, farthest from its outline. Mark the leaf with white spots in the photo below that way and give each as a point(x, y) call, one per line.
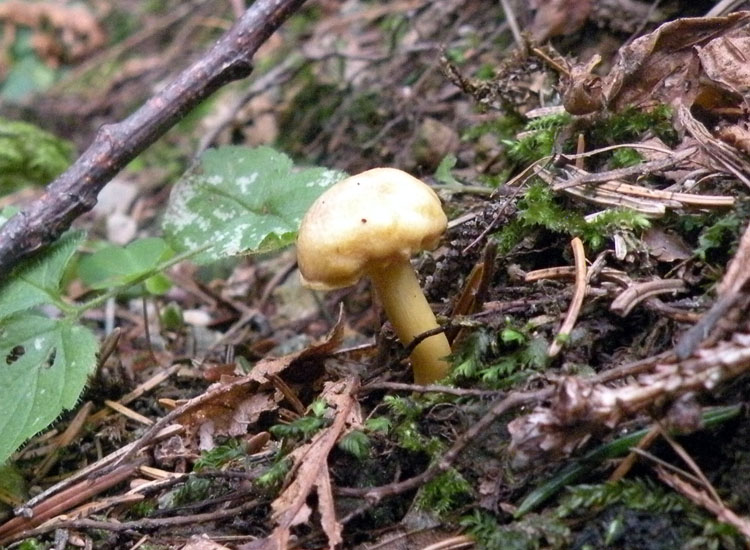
point(241, 201)
point(44, 365)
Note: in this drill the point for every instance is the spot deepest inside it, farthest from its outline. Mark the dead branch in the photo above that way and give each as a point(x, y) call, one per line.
point(75, 191)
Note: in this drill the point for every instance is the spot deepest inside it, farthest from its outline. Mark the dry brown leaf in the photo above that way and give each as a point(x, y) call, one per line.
point(666, 246)
point(726, 60)
point(737, 136)
point(202, 542)
point(693, 60)
point(311, 471)
point(559, 18)
point(235, 410)
point(331, 526)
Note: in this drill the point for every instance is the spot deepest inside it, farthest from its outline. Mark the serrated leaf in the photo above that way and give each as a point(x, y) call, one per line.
point(37, 280)
point(44, 364)
point(119, 266)
point(240, 201)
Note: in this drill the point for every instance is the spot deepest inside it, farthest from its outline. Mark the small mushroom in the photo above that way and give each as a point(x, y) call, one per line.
point(370, 224)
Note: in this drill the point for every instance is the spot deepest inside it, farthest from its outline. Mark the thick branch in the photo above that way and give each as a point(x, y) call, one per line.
point(75, 191)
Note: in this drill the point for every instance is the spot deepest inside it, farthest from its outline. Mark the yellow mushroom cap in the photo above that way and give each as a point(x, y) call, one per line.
point(370, 219)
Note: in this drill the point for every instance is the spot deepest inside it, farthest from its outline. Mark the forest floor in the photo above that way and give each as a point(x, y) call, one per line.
point(594, 168)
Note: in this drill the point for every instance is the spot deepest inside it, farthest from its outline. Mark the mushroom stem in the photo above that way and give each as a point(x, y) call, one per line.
point(408, 311)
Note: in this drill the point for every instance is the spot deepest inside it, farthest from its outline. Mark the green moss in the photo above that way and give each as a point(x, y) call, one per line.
point(445, 493)
point(195, 489)
point(356, 443)
point(531, 533)
point(629, 514)
point(500, 360)
point(30, 156)
point(504, 127)
point(627, 156)
point(219, 456)
point(631, 124)
point(538, 139)
point(273, 477)
point(539, 209)
point(718, 235)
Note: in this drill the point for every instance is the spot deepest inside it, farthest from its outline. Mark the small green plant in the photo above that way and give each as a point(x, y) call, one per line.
point(539, 209)
point(406, 413)
point(538, 139)
point(32, 544)
point(194, 489)
point(502, 360)
point(716, 235)
point(531, 533)
point(356, 443)
point(275, 474)
point(631, 124)
point(235, 201)
point(219, 456)
point(304, 426)
point(378, 424)
point(627, 156)
point(445, 493)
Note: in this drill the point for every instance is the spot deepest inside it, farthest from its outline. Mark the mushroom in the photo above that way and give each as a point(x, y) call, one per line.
point(370, 224)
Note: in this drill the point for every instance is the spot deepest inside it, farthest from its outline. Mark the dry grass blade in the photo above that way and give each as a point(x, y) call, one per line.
point(639, 292)
point(579, 293)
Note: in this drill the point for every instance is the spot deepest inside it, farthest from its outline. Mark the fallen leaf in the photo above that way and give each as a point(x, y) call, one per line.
point(666, 246)
point(693, 60)
point(236, 403)
point(559, 18)
point(310, 471)
point(202, 542)
point(726, 61)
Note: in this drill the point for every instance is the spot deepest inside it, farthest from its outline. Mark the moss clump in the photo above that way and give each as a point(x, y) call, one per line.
point(539, 209)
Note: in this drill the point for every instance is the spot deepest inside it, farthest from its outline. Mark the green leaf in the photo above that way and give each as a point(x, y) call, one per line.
point(44, 364)
point(28, 76)
point(443, 173)
point(37, 280)
point(239, 201)
point(119, 266)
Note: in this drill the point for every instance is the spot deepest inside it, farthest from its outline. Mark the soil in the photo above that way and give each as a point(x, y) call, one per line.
point(597, 214)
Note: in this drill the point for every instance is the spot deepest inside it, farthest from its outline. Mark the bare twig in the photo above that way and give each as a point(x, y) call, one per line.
point(75, 191)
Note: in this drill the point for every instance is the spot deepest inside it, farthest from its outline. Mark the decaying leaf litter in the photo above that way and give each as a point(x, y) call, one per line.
point(587, 299)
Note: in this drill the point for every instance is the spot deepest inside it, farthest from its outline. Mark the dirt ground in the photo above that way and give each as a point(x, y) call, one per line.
point(593, 159)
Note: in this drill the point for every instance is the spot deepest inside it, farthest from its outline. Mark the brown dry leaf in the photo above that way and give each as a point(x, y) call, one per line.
point(311, 472)
point(202, 542)
point(233, 411)
point(737, 136)
point(666, 246)
point(726, 60)
point(692, 60)
point(559, 18)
